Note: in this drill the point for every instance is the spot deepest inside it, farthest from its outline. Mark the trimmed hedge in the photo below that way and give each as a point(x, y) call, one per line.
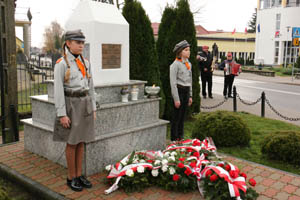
point(226, 128)
point(283, 146)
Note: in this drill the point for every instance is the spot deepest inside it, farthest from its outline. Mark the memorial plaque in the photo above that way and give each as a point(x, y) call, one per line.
point(111, 56)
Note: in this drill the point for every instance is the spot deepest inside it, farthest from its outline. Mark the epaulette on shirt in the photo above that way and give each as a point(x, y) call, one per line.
point(59, 60)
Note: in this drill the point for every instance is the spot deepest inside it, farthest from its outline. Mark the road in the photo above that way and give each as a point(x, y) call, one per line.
point(283, 97)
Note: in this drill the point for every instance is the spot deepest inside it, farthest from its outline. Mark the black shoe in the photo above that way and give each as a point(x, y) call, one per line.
point(204, 97)
point(229, 96)
point(211, 97)
point(84, 182)
point(74, 184)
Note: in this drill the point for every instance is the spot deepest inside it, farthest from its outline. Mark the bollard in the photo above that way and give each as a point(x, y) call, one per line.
point(263, 101)
point(234, 99)
point(15, 126)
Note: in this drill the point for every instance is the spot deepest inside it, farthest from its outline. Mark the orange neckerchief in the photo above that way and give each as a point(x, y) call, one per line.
point(186, 63)
point(80, 66)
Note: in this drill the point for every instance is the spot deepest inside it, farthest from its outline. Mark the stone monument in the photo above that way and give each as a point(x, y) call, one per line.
point(120, 127)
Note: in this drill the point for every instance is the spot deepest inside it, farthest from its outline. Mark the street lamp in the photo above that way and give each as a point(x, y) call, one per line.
point(286, 46)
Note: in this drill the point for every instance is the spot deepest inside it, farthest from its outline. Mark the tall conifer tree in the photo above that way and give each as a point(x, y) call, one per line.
point(143, 55)
point(177, 25)
point(165, 44)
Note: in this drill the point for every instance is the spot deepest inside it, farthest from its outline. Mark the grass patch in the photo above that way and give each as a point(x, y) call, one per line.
point(12, 191)
point(259, 127)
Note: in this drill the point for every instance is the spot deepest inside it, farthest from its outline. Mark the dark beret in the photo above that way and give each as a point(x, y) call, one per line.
point(75, 35)
point(180, 46)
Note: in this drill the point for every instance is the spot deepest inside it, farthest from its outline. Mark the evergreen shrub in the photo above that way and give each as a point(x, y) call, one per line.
point(226, 129)
point(143, 55)
point(177, 24)
point(283, 146)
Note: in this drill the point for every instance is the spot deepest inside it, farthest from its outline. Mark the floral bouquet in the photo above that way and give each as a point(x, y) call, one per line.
point(182, 166)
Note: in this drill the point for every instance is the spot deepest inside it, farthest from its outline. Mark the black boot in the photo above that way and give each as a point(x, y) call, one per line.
point(84, 182)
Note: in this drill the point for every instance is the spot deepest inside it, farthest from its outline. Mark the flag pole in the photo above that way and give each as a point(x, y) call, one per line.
point(245, 56)
point(234, 53)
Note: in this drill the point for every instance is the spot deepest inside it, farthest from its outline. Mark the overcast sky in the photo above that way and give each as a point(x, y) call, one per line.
point(214, 14)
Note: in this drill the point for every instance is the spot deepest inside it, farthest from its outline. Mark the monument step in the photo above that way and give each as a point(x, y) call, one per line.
point(108, 93)
point(106, 149)
point(111, 117)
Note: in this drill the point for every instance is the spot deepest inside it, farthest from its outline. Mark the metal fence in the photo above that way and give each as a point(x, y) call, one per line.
point(32, 77)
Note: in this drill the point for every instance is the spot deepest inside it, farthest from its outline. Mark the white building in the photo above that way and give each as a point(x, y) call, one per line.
point(275, 21)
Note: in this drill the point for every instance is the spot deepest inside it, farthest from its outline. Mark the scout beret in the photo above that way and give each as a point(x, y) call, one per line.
point(75, 35)
point(180, 46)
point(205, 47)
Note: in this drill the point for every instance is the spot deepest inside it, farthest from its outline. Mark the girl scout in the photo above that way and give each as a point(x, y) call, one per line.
point(181, 88)
point(75, 106)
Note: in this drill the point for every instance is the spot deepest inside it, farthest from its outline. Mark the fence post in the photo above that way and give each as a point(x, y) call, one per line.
point(263, 100)
point(234, 99)
point(15, 126)
point(2, 90)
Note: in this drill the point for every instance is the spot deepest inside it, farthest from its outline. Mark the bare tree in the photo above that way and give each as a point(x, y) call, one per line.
point(196, 7)
point(53, 38)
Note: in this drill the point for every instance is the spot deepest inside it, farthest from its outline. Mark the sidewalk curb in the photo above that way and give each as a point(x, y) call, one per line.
point(271, 81)
point(30, 185)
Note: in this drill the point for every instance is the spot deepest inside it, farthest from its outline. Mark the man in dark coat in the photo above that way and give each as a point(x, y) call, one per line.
point(205, 60)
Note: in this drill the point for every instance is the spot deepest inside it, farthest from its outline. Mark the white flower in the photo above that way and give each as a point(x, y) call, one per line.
point(142, 161)
point(172, 158)
point(140, 169)
point(164, 161)
point(173, 153)
point(172, 170)
point(108, 167)
point(154, 172)
point(167, 154)
point(183, 149)
point(157, 162)
point(129, 172)
point(124, 162)
point(164, 168)
point(135, 161)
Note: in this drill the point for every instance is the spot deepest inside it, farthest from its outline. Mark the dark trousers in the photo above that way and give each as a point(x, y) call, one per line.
point(206, 79)
point(177, 125)
point(228, 81)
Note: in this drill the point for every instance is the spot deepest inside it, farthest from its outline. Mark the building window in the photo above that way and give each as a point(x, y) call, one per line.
point(292, 3)
point(276, 56)
point(278, 18)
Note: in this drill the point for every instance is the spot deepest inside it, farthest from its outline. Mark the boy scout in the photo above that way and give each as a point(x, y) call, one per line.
point(75, 106)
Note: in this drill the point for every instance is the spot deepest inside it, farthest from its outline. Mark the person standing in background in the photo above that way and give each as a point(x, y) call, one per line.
point(181, 88)
point(205, 61)
point(231, 69)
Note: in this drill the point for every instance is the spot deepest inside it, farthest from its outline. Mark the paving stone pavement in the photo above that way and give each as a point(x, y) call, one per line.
point(49, 178)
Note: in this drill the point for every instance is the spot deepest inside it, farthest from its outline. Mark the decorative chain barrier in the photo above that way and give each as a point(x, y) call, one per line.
point(246, 103)
point(215, 106)
point(279, 114)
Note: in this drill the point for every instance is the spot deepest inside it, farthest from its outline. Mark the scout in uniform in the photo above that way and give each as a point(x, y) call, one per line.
point(75, 106)
point(181, 88)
